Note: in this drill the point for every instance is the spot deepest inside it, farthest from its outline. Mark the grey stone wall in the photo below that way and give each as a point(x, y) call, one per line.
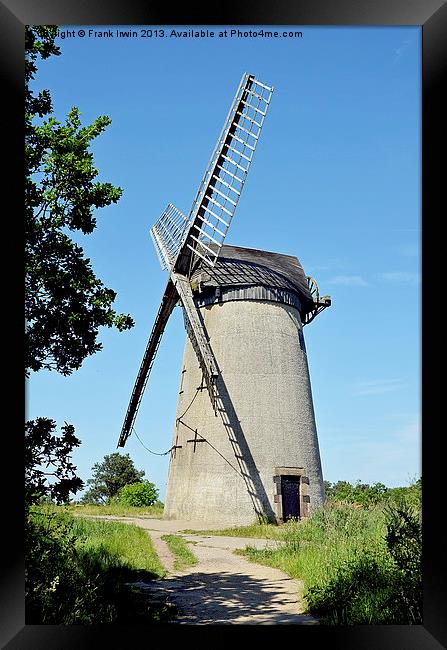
point(265, 419)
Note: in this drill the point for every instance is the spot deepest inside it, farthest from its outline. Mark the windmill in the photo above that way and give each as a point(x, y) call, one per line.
point(245, 441)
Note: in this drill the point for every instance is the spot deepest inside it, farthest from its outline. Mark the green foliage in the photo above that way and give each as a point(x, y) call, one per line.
point(39, 42)
point(50, 566)
point(361, 564)
point(358, 593)
point(411, 495)
point(179, 547)
point(77, 572)
point(336, 533)
point(142, 493)
point(361, 493)
point(327, 485)
point(117, 509)
point(377, 587)
point(109, 476)
point(256, 530)
point(404, 542)
point(366, 495)
point(65, 303)
point(47, 457)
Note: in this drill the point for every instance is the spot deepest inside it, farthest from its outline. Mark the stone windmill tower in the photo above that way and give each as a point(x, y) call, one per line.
point(245, 443)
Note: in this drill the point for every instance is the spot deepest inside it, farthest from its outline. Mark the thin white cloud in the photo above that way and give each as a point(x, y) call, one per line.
point(400, 277)
point(377, 387)
point(348, 280)
point(398, 52)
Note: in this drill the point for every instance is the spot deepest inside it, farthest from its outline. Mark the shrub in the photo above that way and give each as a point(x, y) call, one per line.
point(70, 581)
point(50, 567)
point(109, 476)
point(404, 542)
point(380, 585)
point(138, 494)
point(357, 594)
point(361, 493)
point(411, 495)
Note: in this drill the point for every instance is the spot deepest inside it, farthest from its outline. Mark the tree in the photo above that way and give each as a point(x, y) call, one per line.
point(327, 485)
point(143, 493)
point(65, 303)
point(115, 471)
point(361, 493)
point(47, 457)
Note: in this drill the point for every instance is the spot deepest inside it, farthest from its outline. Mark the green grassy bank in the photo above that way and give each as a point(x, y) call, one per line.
point(360, 566)
point(78, 571)
point(359, 556)
point(117, 509)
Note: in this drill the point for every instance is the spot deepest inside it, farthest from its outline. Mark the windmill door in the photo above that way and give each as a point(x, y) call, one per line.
point(290, 490)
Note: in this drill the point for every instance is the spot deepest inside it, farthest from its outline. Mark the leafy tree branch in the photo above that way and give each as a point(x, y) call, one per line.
point(65, 303)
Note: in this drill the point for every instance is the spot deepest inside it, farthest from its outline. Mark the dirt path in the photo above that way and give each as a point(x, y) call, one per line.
point(223, 588)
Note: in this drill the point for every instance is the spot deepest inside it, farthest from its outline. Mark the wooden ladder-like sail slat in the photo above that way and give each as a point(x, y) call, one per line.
point(197, 334)
point(168, 302)
point(220, 185)
point(180, 240)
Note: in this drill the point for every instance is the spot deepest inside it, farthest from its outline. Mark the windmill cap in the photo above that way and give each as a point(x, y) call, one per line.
point(250, 273)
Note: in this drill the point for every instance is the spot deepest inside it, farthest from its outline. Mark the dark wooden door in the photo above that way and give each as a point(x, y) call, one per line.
point(290, 490)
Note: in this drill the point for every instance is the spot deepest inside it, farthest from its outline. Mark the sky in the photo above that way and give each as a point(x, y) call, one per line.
point(335, 181)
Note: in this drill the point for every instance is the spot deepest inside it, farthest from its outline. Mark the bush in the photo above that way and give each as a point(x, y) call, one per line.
point(357, 594)
point(109, 476)
point(381, 585)
point(369, 495)
point(50, 567)
point(411, 495)
point(70, 581)
point(138, 494)
point(361, 493)
point(404, 542)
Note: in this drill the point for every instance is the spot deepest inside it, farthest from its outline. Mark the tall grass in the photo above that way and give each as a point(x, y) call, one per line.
point(360, 565)
point(117, 509)
point(81, 572)
point(333, 535)
point(114, 541)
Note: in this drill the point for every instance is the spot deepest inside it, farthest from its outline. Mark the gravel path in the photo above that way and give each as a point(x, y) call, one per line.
point(223, 588)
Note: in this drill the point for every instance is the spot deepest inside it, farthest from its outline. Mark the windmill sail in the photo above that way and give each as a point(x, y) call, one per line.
point(197, 335)
point(178, 239)
point(170, 298)
point(168, 235)
point(221, 186)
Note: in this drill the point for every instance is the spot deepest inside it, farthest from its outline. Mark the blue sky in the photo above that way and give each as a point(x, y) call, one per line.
point(335, 181)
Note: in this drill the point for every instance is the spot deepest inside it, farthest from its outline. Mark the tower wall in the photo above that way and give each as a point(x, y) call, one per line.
point(265, 424)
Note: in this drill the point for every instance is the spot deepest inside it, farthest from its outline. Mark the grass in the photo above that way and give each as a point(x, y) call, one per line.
point(80, 571)
point(352, 572)
point(127, 543)
point(118, 510)
point(178, 546)
point(256, 530)
point(314, 546)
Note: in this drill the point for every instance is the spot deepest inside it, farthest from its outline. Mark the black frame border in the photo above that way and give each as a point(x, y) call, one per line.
point(431, 15)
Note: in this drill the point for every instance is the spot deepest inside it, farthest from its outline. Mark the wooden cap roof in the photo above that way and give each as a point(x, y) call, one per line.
point(237, 266)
